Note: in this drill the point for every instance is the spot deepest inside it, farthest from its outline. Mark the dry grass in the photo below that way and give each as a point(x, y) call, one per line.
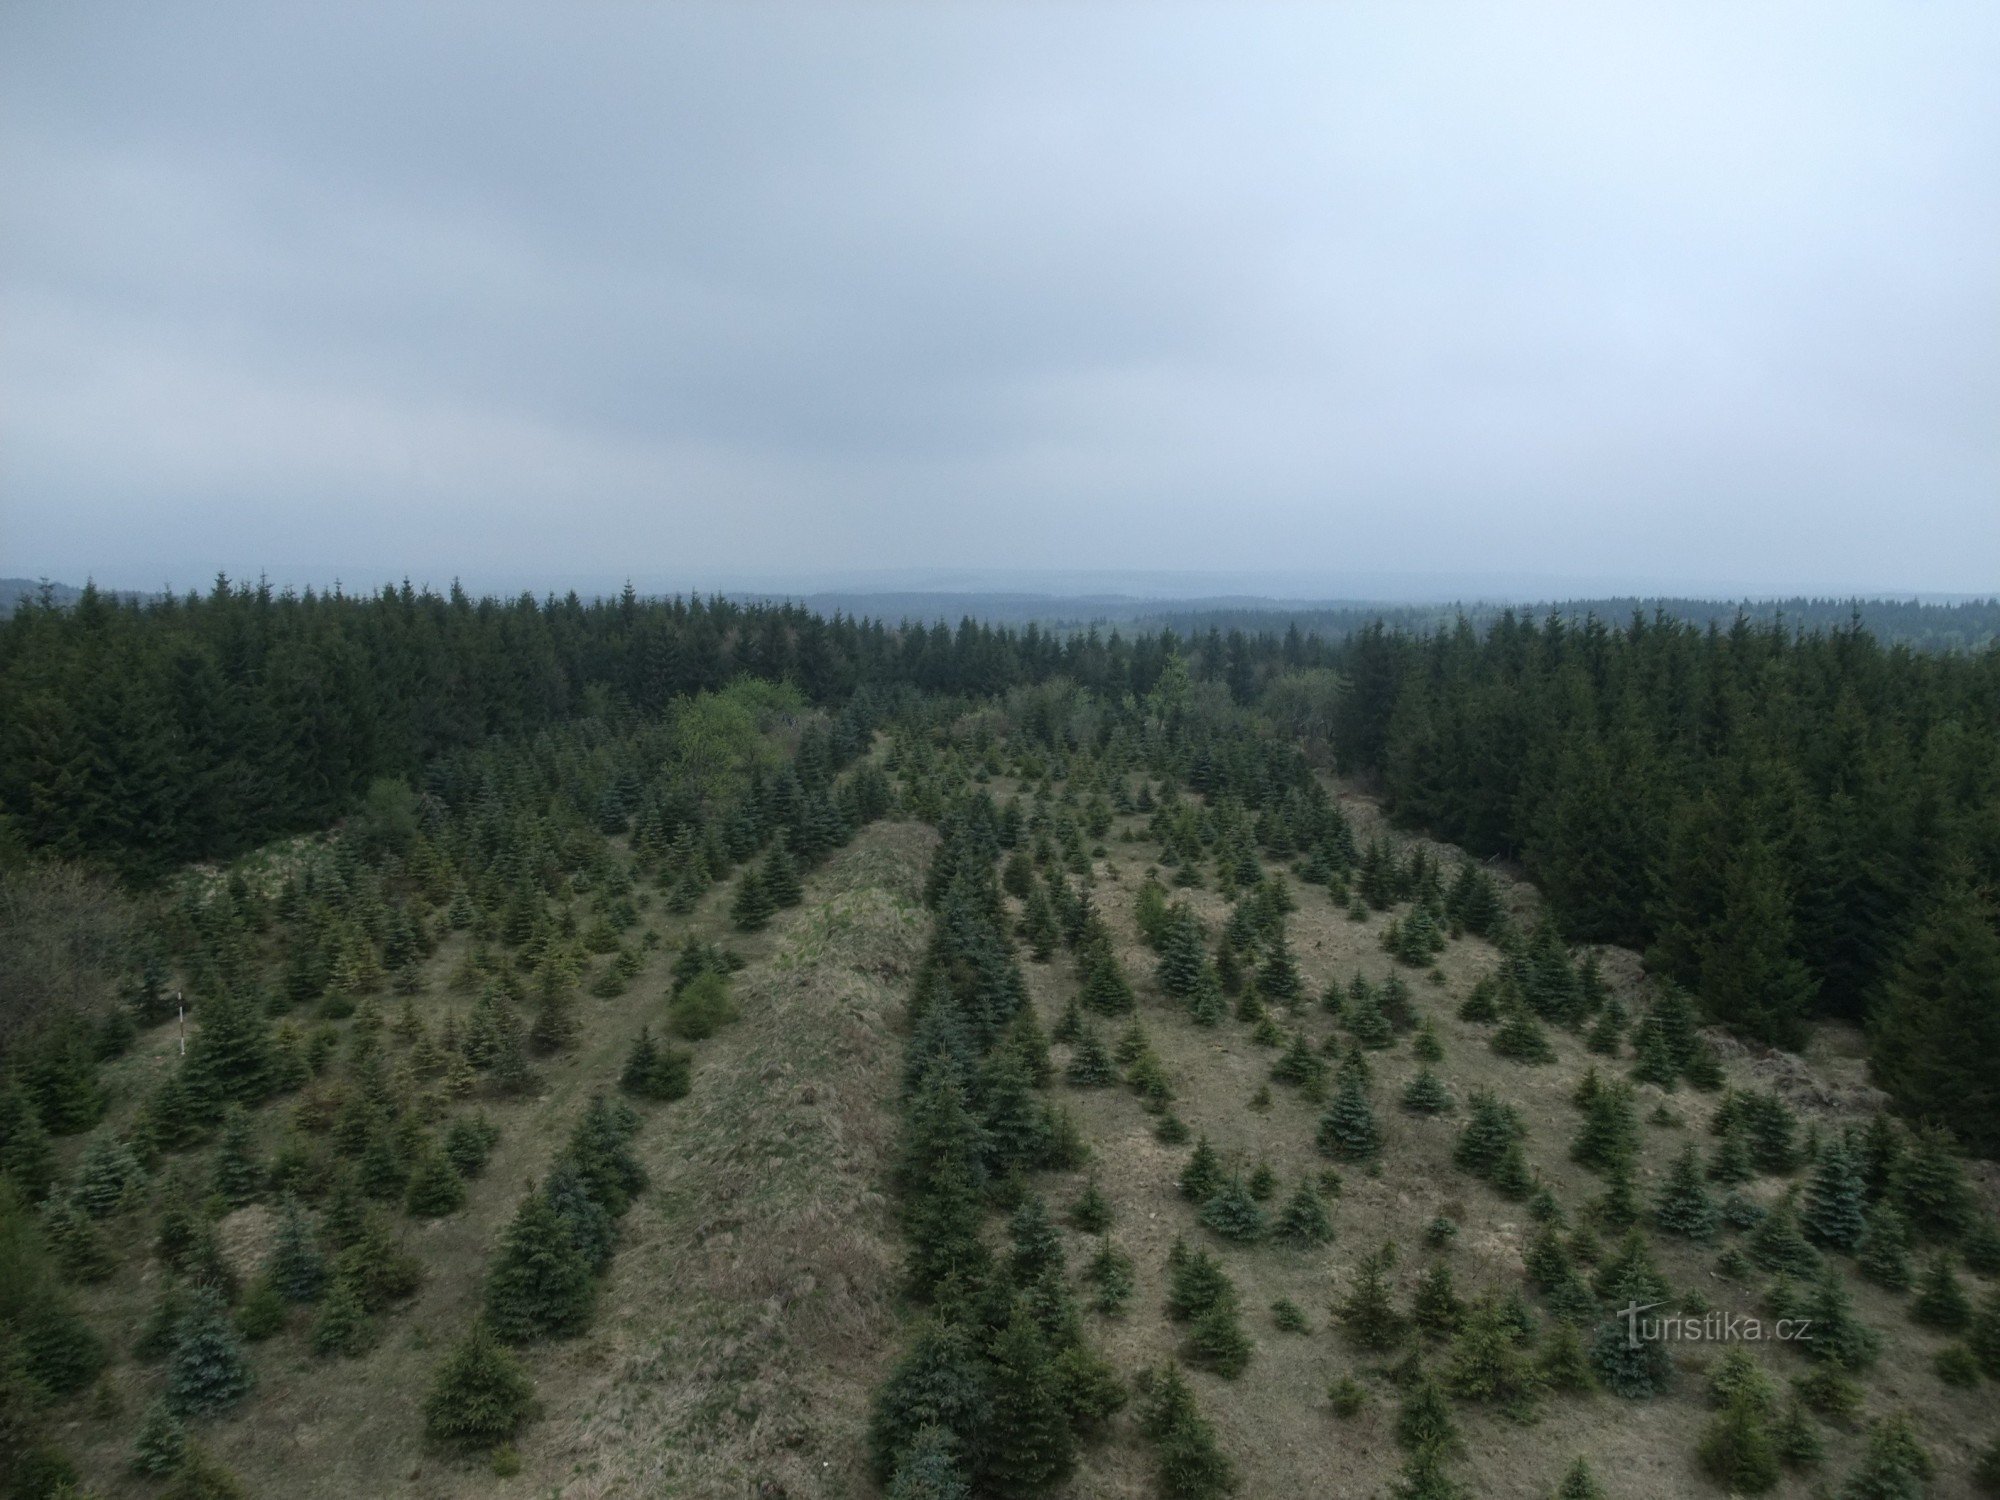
point(1275, 1420)
point(746, 1315)
point(750, 1310)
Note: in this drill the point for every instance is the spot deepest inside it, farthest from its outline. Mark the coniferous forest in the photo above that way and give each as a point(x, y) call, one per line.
point(988, 1061)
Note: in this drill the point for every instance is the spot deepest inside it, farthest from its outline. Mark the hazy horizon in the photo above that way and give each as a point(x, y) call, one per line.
point(1516, 301)
point(1125, 592)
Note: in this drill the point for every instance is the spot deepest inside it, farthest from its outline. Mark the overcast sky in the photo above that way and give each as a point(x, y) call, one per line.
point(1695, 295)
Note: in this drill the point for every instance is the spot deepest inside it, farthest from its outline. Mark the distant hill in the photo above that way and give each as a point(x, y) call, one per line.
point(14, 592)
point(1926, 625)
point(1938, 624)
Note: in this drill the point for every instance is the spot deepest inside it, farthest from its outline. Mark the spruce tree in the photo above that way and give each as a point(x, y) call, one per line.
point(1206, 1005)
point(1195, 1282)
point(1183, 954)
point(1216, 1341)
point(1553, 990)
point(74, 1242)
point(206, 1372)
point(1940, 1301)
point(600, 1150)
point(1304, 1221)
point(1796, 1437)
point(554, 1029)
point(1546, 1260)
point(1090, 1065)
point(1752, 978)
point(1772, 1131)
point(1490, 1129)
point(1278, 976)
point(295, 1266)
point(262, 1313)
point(1895, 1465)
point(1936, 1030)
point(1489, 1361)
point(480, 1395)
point(780, 878)
point(343, 1326)
point(1110, 1270)
point(1653, 1060)
point(435, 1188)
point(1299, 1066)
point(1564, 1365)
point(1607, 1034)
point(1931, 1188)
point(161, 1446)
point(1884, 1251)
point(1839, 1338)
point(239, 1172)
point(1435, 1307)
point(929, 1469)
point(1368, 1313)
point(751, 907)
point(1730, 1163)
point(589, 1224)
point(1578, 1483)
point(1630, 1275)
point(1348, 1131)
point(939, 1385)
point(1091, 1213)
point(468, 1140)
point(1427, 1095)
point(26, 1156)
point(1776, 1243)
point(1833, 1214)
point(1191, 1464)
point(1684, 1206)
point(943, 1173)
point(1984, 1337)
point(1521, 1038)
point(656, 1072)
point(1482, 1002)
point(1105, 988)
point(106, 1177)
point(512, 1075)
point(1980, 1247)
point(1038, 926)
point(1426, 1047)
point(1628, 1366)
point(1029, 1448)
point(1367, 1023)
point(1202, 1174)
point(539, 1284)
point(702, 1007)
point(1737, 1450)
point(228, 1056)
point(1234, 1214)
point(1741, 1376)
point(1424, 1422)
point(1036, 1249)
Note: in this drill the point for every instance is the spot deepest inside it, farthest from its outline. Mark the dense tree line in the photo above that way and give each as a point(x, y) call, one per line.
point(1971, 625)
point(1790, 826)
point(327, 1077)
point(144, 735)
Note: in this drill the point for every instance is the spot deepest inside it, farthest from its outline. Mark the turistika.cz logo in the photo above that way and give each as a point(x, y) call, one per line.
point(1709, 1328)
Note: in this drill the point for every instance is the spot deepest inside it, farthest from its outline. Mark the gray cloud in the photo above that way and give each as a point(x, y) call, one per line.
point(1702, 294)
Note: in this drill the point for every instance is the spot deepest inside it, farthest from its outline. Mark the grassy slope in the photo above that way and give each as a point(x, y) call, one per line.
point(1274, 1420)
point(749, 1311)
point(745, 1317)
